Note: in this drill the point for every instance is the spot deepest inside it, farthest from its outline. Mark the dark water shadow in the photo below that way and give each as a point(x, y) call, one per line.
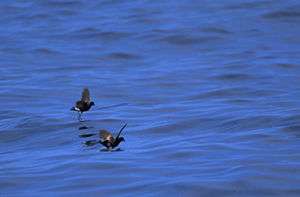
point(122, 56)
point(87, 135)
point(91, 142)
point(114, 150)
point(83, 127)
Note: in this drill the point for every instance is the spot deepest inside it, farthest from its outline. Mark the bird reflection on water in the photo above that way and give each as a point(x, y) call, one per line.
point(83, 127)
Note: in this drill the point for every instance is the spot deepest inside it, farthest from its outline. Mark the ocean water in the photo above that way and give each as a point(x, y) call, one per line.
point(209, 89)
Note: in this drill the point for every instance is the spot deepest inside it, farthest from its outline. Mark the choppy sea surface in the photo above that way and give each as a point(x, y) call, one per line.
point(210, 91)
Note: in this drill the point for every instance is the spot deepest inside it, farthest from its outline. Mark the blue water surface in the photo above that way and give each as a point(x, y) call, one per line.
point(209, 89)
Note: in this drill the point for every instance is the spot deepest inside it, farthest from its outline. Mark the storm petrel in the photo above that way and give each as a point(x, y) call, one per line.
point(109, 141)
point(84, 104)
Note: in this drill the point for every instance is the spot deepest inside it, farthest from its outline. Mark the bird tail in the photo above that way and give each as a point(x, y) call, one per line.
point(121, 130)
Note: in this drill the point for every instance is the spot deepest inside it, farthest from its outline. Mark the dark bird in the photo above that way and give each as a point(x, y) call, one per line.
point(109, 141)
point(84, 104)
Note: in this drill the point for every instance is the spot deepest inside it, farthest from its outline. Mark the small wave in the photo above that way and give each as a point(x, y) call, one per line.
point(293, 128)
point(46, 51)
point(283, 14)
point(38, 17)
point(92, 33)
point(122, 56)
point(285, 65)
point(233, 77)
point(251, 122)
point(249, 5)
point(239, 101)
point(216, 30)
point(188, 40)
point(225, 92)
point(61, 4)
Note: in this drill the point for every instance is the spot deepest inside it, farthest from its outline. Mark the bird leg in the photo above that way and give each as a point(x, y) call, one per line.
point(79, 116)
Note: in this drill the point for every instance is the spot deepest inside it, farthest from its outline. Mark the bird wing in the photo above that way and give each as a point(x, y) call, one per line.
point(106, 136)
point(79, 105)
point(85, 97)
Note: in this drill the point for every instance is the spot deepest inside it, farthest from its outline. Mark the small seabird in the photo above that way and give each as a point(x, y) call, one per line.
point(84, 104)
point(108, 140)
